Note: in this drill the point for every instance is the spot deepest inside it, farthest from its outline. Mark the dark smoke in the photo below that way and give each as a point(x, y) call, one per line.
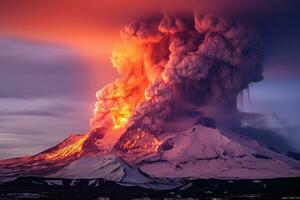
point(207, 59)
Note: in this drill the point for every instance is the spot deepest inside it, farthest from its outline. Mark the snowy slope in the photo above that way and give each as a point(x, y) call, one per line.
point(204, 152)
point(107, 167)
point(110, 168)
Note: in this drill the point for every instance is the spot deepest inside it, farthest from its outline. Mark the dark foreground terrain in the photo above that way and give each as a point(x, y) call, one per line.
point(41, 188)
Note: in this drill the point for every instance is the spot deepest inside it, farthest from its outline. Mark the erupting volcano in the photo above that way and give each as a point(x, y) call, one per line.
point(167, 116)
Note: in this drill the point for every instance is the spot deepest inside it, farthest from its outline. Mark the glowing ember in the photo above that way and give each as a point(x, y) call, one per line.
point(74, 148)
point(140, 140)
point(121, 116)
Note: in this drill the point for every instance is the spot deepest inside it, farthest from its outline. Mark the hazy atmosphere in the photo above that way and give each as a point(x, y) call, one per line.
point(53, 64)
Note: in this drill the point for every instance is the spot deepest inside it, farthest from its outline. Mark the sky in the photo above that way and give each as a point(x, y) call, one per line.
point(55, 55)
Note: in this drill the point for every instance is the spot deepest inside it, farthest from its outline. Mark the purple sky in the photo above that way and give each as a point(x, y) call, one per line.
point(45, 94)
point(46, 91)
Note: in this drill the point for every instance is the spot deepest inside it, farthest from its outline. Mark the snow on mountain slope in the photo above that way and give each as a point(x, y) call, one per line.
point(110, 168)
point(44, 163)
point(107, 167)
point(204, 152)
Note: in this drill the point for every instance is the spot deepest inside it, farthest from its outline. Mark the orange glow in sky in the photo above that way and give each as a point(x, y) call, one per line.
point(91, 26)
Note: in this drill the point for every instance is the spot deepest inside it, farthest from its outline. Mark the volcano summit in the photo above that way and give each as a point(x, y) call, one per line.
point(167, 116)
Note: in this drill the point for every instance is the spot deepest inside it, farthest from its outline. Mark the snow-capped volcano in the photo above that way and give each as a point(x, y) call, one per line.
point(206, 152)
point(171, 67)
point(202, 151)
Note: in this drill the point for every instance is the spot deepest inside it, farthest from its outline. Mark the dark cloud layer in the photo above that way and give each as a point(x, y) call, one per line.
point(281, 30)
point(30, 69)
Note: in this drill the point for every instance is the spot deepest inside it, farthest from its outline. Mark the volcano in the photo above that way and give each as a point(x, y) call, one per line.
point(200, 152)
point(163, 120)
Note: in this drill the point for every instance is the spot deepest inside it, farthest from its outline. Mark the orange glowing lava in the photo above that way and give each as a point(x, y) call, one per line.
point(120, 117)
point(141, 141)
point(71, 147)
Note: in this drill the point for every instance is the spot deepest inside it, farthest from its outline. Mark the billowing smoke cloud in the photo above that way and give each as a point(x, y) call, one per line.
point(201, 59)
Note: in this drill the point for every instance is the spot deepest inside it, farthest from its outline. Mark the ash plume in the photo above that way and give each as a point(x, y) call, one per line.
point(170, 61)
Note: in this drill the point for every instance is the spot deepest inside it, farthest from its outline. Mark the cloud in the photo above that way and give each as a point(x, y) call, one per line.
point(29, 125)
point(31, 69)
point(44, 95)
point(13, 145)
point(53, 111)
point(98, 22)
